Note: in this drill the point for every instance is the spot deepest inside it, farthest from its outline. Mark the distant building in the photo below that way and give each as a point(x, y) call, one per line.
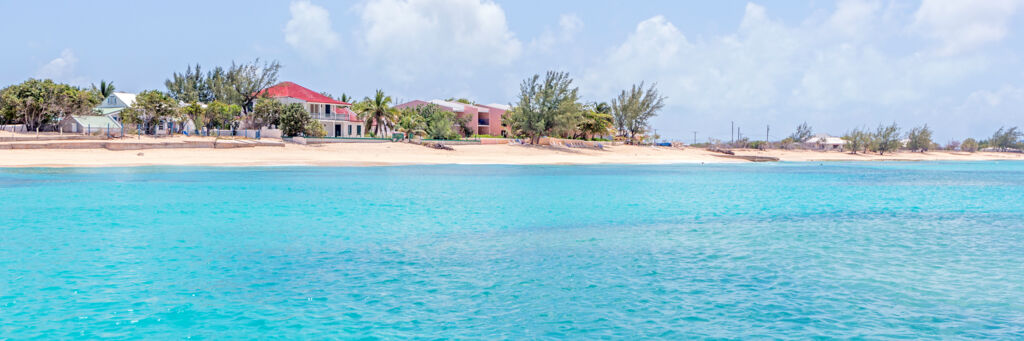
point(481, 119)
point(336, 116)
point(825, 142)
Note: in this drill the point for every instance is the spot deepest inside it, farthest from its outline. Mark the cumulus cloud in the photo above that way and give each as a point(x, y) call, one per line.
point(416, 37)
point(309, 30)
point(60, 68)
point(827, 69)
point(964, 25)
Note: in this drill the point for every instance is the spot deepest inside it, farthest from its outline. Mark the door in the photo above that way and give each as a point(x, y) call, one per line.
point(337, 130)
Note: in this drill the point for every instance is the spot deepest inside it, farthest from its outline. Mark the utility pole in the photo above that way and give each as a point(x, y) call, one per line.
point(767, 129)
point(732, 132)
point(694, 137)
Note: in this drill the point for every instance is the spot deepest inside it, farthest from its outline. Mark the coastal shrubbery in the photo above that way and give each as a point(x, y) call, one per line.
point(37, 102)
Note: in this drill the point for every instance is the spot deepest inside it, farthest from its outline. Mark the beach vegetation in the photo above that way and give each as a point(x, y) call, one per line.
point(858, 140)
point(240, 84)
point(1006, 138)
point(221, 115)
point(37, 102)
point(150, 108)
point(315, 129)
point(105, 89)
point(196, 113)
point(266, 112)
point(803, 133)
point(969, 145)
point(919, 139)
point(377, 112)
point(345, 98)
point(597, 120)
point(634, 108)
point(294, 120)
point(886, 139)
point(544, 106)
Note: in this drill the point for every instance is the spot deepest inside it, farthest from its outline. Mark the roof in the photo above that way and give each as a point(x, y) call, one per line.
point(289, 89)
point(454, 106)
point(127, 98)
point(108, 111)
point(95, 121)
point(505, 107)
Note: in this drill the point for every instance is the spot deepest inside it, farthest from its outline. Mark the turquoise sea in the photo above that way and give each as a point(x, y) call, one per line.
point(787, 250)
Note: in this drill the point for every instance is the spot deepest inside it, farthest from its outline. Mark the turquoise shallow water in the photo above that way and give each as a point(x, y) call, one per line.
point(875, 250)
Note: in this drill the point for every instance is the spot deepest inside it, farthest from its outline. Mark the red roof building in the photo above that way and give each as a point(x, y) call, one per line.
point(336, 116)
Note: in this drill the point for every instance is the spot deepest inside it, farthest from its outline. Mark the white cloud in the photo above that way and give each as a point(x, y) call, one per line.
point(963, 25)
point(60, 68)
point(838, 70)
point(569, 25)
point(417, 37)
point(853, 17)
point(309, 30)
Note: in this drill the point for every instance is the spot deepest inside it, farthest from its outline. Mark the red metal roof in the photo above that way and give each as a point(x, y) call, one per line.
point(289, 89)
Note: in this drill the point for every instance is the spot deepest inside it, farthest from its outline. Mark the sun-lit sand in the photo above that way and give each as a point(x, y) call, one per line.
point(374, 154)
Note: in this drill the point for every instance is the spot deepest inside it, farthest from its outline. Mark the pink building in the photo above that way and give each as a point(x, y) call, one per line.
point(483, 119)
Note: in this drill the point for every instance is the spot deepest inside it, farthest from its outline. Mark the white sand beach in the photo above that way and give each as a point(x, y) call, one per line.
point(378, 154)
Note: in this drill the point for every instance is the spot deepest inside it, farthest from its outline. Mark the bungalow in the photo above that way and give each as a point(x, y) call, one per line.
point(88, 124)
point(113, 104)
point(825, 142)
point(482, 119)
point(337, 117)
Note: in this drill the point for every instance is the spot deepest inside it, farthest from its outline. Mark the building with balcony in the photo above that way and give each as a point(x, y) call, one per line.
point(336, 116)
point(481, 119)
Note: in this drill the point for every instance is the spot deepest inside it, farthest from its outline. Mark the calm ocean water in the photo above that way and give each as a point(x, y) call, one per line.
point(797, 250)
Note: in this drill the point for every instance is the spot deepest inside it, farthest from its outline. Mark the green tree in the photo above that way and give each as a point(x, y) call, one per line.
point(543, 107)
point(595, 123)
point(919, 138)
point(411, 122)
point(315, 129)
point(802, 134)
point(195, 112)
point(634, 108)
point(151, 107)
point(886, 139)
point(190, 86)
point(248, 80)
point(969, 145)
point(1006, 138)
point(266, 112)
point(439, 123)
point(344, 98)
point(221, 115)
point(294, 120)
point(858, 140)
point(377, 112)
point(39, 102)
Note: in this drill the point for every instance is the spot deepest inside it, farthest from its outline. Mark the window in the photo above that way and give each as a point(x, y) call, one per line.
point(112, 100)
point(359, 131)
point(327, 109)
point(314, 108)
point(349, 131)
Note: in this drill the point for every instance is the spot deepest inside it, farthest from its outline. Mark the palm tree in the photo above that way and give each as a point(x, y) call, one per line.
point(106, 89)
point(344, 98)
point(411, 123)
point(377, 112)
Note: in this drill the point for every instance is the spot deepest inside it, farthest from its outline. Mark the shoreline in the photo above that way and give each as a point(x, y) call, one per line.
point(405, 154)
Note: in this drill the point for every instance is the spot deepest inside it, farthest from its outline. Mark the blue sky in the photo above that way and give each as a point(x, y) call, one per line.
point(837, 65)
